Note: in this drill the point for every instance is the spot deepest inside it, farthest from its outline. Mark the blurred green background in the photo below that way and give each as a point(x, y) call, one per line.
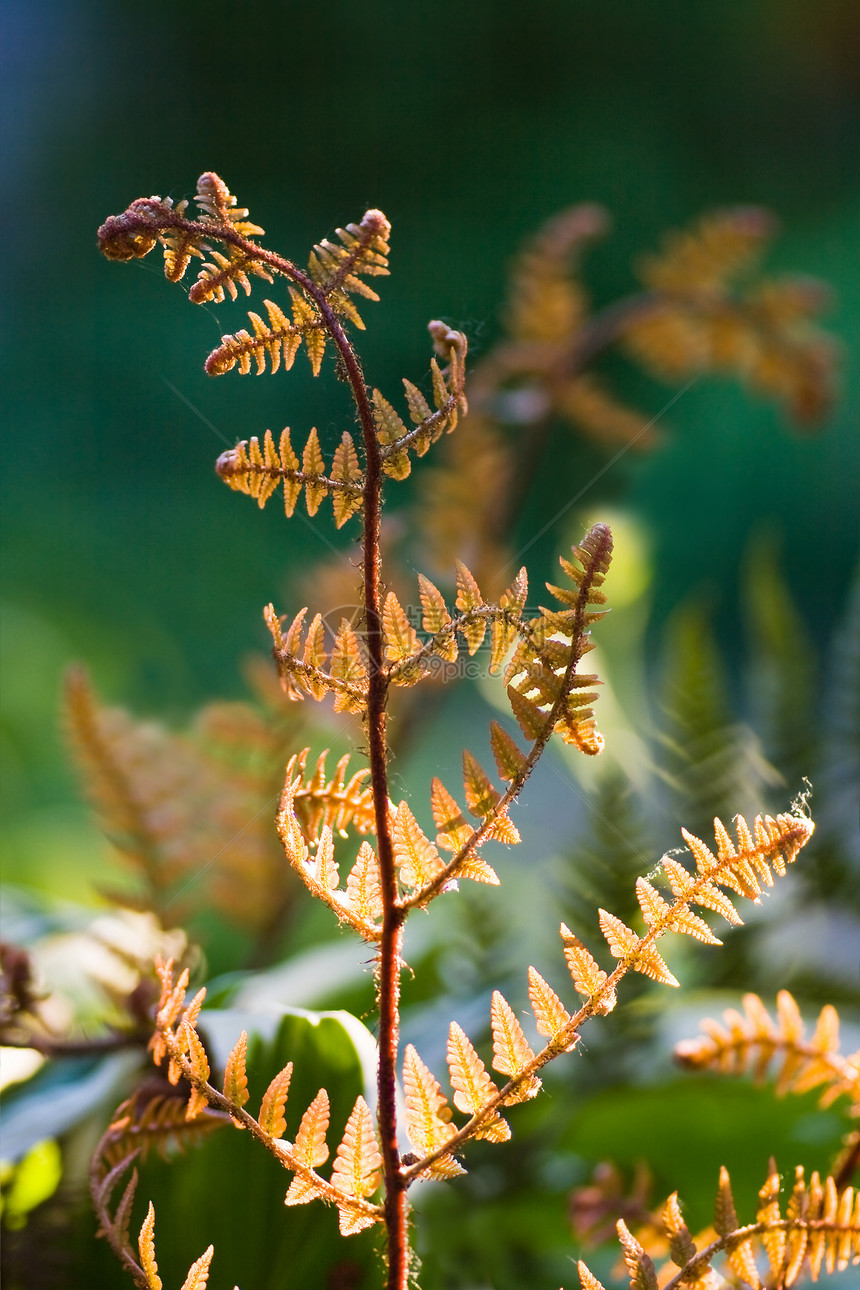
point(468, 125)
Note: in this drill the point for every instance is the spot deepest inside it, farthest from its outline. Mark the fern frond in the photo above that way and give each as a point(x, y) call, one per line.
point(546, 302)
point(389, 431)
point(510, 760)
point(753, 1042)
point(320, 872)
point(533, 667)
point(588, 977)
point(593, 408)
point(587, 1279)
point(235, 1076)
point(436, 620)
point(428, 1115)
point(511, 1052)
point(481, 796)
point(258, 470)
point(104, 1181)
point(160, 1123)
point(310, 1149)
point(363, 888)
point(199, 1063)
point(416, 857)
point(307, 673)
point(473, 1086)
point(550, 1014)
point(469, 598)
point(640, 1266)
point(708, 255)
point(429, 423)
point(819, 1231)
point(146, 1246)
point(504, 629)
point(169, 1008)
point(278, 342)
point(773, 842)
point(198, 1273)
point(223, 275)
point(542, 671)
point(505, 621)
point(401, 641)
point(453, 830)
point(338, 269)
point(338, 802)
point(147, 222)
point(271, 1118)
point(482, 800)
point(702, 319)
point(347, 665)
point(218, 205)
point(740, 1255)
point(357, 1165)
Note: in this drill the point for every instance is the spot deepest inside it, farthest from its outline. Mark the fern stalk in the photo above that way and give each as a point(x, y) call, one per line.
point(389, 956)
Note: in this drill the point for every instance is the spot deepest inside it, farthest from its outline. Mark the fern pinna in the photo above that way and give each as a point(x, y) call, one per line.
point(397, 867)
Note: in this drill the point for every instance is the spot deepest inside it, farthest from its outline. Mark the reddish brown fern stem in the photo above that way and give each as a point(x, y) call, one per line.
point(393, 917)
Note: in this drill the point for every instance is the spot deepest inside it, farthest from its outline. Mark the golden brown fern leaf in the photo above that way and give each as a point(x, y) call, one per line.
point(278, 341)
point(428, 423)
point(767, 849)
point(149, 221)
point(338, 269)
point(428, 1116)
point(410, 658)
point(304, 665)
point(218, 206)
point(588, 404)
point(259, 470)
point(224, 273)
point(359, 901)
point(754, 1042)
point(356, 1170)
point(336, 802)
point(544, 688)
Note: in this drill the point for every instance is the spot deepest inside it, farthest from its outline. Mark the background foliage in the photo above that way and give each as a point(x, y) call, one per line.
point(468, 125)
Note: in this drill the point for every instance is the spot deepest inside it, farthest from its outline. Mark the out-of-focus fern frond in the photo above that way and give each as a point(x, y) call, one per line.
point(178, 806)
point(710, 314)
point(754, 1042)
point(710, 763)
point(545, 300)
